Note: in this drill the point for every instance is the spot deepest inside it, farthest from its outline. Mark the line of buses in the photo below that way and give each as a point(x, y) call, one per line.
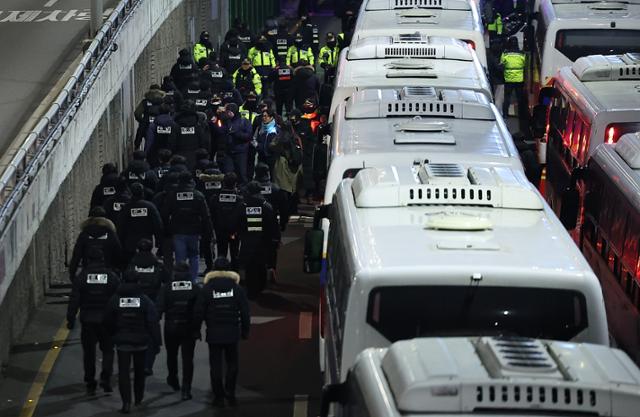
point(430, 228)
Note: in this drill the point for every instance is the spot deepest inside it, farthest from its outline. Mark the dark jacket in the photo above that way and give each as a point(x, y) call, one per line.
point(96, 232)
point(176, 301)
point(231, 56)
point(227, 211)
point(140, 171)
point(132, 318)
point(114, 204)
point(152, 100)
point(185, 211)
point(233, 136)
point(209, 185)
point(91, 291)
point(160, 134)
point(305, 85)
point(183, 71)
point(193, 134)
point(151, 273)
point(258, 229)
point(104, 190)
point(223, 305)
point(139, 219)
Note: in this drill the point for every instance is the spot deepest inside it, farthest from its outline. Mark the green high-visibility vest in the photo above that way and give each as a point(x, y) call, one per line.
point(514, 63)
point(496, 25)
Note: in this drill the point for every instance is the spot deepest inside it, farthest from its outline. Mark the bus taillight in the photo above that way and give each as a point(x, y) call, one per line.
point(471, 43)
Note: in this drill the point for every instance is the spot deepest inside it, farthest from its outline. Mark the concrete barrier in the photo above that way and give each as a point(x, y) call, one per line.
point(45, 192)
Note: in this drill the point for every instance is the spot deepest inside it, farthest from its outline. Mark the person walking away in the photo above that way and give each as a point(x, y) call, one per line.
point(139, 171)
point(223, 306)
point(310, 33)
point(96, 231)
point(186, 215)
point(151, 275)
point(91, 291)
point(282, 41)
point(209, 183)
point(139, 219)
point(160, 134)
point(203, 48)
point(328, 57)
point(106, 187)
point(226, 214)
point(513, 61)
point(176, 301)
point(308, 140)
point(232, 52)
point(259, 232)
point(132, 319)
point(184, 70)
point(143, 113)
point(283, 86)
point(193, 133)
point(305, 83)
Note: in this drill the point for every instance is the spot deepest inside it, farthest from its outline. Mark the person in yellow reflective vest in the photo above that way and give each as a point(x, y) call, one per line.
point(247, 79)
point(249, 109)
point(495, 27)
point(263, 60)
point(299, 51)
point(203, 48)
point(328, 57)
point(513, 62)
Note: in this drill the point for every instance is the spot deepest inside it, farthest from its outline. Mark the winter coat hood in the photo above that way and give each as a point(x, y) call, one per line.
point(129, 289)
point(211, 177)
point(222, 274)
point(304, 72)
point(97, 222)
point(186, 118)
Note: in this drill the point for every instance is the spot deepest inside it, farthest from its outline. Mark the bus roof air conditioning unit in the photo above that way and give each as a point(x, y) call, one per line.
point(607, 67)
point(444, 184)
point(419, 101)
point(628, 147)
point(417, 4)
point(411, 45)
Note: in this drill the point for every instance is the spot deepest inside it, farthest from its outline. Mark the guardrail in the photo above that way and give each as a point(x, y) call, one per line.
point(29, 158)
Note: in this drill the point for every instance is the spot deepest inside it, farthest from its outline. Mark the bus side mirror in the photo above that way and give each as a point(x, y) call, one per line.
point(332, 393)
point(545, 95)
point(539, 120)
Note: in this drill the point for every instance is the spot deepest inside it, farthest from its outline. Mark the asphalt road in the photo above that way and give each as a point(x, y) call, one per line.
point(38, 40)
point(279, 374)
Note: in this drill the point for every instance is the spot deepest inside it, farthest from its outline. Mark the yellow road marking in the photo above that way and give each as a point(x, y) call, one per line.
point(45, 370)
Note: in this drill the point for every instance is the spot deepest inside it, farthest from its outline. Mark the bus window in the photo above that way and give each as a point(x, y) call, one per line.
point(583, 149)
point(575, 43)
point(577, 135)
point(425, 311)
point(630, 249)
point(568, 131)
point(619, 209)
point(614, 131)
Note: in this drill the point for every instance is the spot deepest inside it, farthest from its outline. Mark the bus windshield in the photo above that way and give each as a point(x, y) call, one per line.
point(575, 43)
point(406, 312)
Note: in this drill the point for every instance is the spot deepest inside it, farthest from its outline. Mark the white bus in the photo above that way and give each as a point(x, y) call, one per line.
point(566, 30)
point(459, 19)
point(594, 101)
point(450, 249)
point(611, 235)
point(408, 60)
point(490, 377)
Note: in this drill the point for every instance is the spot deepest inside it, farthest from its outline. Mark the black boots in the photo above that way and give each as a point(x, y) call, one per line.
point(126, 408)
point(186, 393)
point(91, 388)
point(173, 383)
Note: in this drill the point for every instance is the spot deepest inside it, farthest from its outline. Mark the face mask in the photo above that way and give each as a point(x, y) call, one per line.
point(251, 104)
point(298, 42)
point(331, 44)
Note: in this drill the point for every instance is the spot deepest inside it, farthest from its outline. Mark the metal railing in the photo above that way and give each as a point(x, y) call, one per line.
point(30, 157)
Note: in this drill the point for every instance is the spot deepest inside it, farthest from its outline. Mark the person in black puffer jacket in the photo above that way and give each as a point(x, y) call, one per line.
point(96, 231)
point(132, 320)
point(139, 219)
point(223, 305)
point(184, 70)
point(193, 133)
point(92, 289)
point(176, 301)
point(107, 186)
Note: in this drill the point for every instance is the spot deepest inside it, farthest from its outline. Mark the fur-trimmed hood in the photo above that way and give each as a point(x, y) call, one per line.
point(211, 177)
point(222, 274)
point(102, 222)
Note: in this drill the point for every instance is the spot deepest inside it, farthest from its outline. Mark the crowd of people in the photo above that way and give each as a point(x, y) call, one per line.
point(225, 148)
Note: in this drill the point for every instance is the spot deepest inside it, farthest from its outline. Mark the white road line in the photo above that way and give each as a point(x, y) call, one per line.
point(50, 3)
point(305, 324)
point(300, 405)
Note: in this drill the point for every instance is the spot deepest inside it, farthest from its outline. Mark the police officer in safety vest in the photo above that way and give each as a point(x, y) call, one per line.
point(132, 319)
point(91, 292)
point(263, 60)
point(203, 48)
point(299, 51)
point(328, 57)
point(513, 62)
